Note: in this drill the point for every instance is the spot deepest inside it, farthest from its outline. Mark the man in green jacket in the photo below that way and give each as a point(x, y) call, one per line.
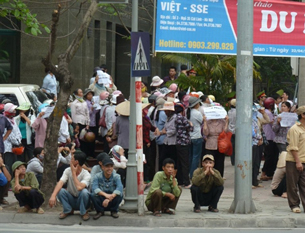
point(164, 192)
point(207, 185)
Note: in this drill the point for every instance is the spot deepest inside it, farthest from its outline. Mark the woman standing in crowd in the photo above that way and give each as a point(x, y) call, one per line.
point(40, 127)
point(24, 120)
point(195, 117)
point(211, 129)
point(14, 139)
point(80, 115)
point(92, 126)
point(281, 132)
point(184, 127)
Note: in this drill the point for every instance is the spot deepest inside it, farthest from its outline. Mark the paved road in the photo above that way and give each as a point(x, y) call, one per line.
point(41, 228)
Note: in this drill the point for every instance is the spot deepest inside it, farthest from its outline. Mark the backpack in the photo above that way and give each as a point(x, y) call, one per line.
point(102, 121)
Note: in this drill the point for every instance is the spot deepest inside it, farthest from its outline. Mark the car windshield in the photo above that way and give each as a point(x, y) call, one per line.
point(36, 98)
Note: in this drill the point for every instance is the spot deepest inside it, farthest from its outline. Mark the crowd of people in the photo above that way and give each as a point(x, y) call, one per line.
point(180, 143)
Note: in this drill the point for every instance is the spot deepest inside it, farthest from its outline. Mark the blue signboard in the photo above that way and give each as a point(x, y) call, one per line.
point(140, 54)
point(210, 26)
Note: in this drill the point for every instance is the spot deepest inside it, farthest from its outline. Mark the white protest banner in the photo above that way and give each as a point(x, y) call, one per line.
point(103, 78)
point(47, 111)
point(215, 112)
point(288, 119)
point(96, 100)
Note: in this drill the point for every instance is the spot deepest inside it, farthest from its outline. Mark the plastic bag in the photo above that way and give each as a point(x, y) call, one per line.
point(224, 143)
point(82, 134)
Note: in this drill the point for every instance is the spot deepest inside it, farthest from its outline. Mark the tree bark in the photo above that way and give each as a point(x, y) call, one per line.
point(66, 82)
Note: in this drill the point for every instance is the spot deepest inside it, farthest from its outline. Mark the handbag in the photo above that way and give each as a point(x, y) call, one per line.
point(224, 143)
point(17, 149)
point(102, 121)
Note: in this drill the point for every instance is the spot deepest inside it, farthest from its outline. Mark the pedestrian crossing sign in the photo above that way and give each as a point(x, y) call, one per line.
point(140, 51)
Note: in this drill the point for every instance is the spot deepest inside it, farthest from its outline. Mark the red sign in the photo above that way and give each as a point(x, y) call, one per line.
point(139, 137)
point(138, 92)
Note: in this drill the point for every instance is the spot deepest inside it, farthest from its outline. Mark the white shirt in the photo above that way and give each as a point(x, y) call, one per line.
point(63, 133)
point(84, 177)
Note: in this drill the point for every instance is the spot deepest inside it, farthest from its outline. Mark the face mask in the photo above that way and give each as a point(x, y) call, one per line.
point(41, 157)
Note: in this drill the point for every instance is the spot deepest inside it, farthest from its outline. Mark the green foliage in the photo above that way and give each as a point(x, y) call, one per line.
point(216, 74)
point(19, 10)
point(276, 74)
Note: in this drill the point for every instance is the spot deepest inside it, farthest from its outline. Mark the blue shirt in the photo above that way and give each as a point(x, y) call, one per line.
point(160, 124)
point(50, 84)
point(3, 180)
point(22, 127)
point(111, 185)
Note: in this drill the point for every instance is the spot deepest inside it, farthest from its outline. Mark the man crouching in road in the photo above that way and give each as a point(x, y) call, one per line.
point(107, 190)
point(76, 196)
point(207, 185)
point(164, 192)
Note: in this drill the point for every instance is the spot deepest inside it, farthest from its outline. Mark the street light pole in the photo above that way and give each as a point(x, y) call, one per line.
point(131, 193)
point(243, 202)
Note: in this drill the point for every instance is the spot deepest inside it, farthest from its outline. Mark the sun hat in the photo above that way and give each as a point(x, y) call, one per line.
point(9, 107)
point(17, 164)
point(117, 92)
point(194, 94)
point(87, 91)
point(193, 101)
point(199, 93)
point(173, 87)
point(24, 106)
point(300, 110)
point(42, 106)
point(113, 99)
point(104, 95)
point(104, 102)
point(212, 97)
point(156, 81)
point(233, 102)
point(211, 157)
point(170, 106)
point(123, 108)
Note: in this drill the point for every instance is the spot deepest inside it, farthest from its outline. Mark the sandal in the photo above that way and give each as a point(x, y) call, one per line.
point(168, 211)
point(62, 215)
point(86, 216)
point(39, 211)
point(211, 209)
point(196, 210)
point(296, 210)
point(4, 202)
point(157, 214)
point(23, 210)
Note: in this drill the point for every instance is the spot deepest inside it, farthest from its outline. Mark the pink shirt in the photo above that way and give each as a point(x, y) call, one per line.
point(40, 127)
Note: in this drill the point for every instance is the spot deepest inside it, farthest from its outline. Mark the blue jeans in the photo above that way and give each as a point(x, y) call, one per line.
point(195, 154)
point(113, 206)
point(69, 202)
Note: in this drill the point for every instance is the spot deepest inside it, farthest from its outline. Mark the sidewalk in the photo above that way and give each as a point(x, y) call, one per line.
point(272, 212)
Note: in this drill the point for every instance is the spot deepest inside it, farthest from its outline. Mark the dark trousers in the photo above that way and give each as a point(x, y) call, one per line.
point(161, 155)
point(271, 157)
point(206, 199)
point(295, 182)
point(152, 160)
point(147, 165)
point(27, 153)
point(183, 164)
point(158, 202)
point(219, 160)
point(83, 145)
point(113, 206)
point(233, 154)
point(255, 164)
point(282, 188)
point(170, 152)
point(105, 145)
point(4, 190)
point(122, 173)
point(9, 159)
point(281, 147)
point(39, 178)
point(31, 198)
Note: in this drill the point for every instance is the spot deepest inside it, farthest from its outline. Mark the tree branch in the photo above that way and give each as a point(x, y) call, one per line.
point(70, 52)
point(120, 18)
point(53, 35)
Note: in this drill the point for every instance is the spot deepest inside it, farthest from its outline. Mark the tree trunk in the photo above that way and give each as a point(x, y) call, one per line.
point(64, 77)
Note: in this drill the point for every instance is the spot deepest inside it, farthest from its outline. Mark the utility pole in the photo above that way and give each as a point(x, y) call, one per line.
point(243, 202)
point(131, 194)
point(301, 93)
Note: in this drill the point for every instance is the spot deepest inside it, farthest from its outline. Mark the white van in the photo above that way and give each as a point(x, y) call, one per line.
point(20, 93)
